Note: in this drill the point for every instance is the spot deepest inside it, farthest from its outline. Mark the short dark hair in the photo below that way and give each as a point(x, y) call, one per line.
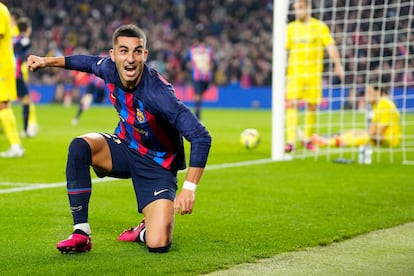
point(129, 30)
point(24, 23)
point(378, 86)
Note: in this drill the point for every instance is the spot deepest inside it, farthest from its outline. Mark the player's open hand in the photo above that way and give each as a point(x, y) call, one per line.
point(35, 62)
point(184, 202)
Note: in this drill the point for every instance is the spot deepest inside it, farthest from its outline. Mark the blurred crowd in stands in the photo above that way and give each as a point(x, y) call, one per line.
point(375, 39)
point(239, 30)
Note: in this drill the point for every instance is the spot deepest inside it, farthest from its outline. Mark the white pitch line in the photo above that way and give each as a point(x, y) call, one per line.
point(29, 187)
point(12, 184)
point(239, 164)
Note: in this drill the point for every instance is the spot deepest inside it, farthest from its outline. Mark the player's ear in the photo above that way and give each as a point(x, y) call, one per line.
point(111, 53)
point(146, 53)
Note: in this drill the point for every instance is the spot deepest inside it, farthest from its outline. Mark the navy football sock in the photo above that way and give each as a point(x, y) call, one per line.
point(78, 179)
point(197, 109)
point(25, 116)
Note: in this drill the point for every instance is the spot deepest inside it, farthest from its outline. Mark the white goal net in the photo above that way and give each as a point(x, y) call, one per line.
point(375, 39)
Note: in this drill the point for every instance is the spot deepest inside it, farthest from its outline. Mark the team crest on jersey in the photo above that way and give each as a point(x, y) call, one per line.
point(140, 116)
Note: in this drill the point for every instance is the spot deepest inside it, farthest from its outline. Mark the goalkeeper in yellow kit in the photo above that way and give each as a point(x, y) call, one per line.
point(307, 38)
point(384, 129)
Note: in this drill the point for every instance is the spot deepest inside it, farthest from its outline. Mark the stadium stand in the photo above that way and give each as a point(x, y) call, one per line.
point(240, 32)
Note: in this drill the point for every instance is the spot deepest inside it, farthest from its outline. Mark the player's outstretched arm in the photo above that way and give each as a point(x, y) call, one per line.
point(35, 62)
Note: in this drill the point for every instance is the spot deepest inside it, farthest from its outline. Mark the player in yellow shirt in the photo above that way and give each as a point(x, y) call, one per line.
point(385, 127)
point(307, 38)
point(8, 86)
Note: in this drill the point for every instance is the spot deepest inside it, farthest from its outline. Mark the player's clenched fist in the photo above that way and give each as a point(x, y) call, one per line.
point(35, 62)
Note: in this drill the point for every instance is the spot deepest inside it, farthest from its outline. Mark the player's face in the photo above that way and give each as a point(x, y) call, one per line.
point(129, 55)
point(301, 10)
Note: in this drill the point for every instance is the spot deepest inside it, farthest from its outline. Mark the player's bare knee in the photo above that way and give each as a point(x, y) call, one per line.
point(158, 243)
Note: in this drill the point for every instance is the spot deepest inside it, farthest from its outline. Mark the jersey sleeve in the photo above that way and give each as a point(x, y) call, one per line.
point(182, 119)
point(326, 36)
point(198, 136)
point(83, 63)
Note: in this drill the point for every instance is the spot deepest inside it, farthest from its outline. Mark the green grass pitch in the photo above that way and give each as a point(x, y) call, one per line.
point(244, 211)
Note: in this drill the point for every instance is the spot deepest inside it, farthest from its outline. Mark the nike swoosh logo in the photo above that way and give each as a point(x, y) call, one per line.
point(76, 208)
point(160, 191)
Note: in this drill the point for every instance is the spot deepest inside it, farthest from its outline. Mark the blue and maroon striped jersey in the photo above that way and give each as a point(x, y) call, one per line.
point(21, 45)
point(202, 62)
point(152, 120)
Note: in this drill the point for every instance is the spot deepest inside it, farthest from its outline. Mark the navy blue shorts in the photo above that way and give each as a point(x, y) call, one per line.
point(150, 180)
point(21, 87)
point(200, 87)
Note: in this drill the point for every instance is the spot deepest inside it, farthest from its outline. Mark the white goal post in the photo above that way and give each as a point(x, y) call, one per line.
point(280, 11)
